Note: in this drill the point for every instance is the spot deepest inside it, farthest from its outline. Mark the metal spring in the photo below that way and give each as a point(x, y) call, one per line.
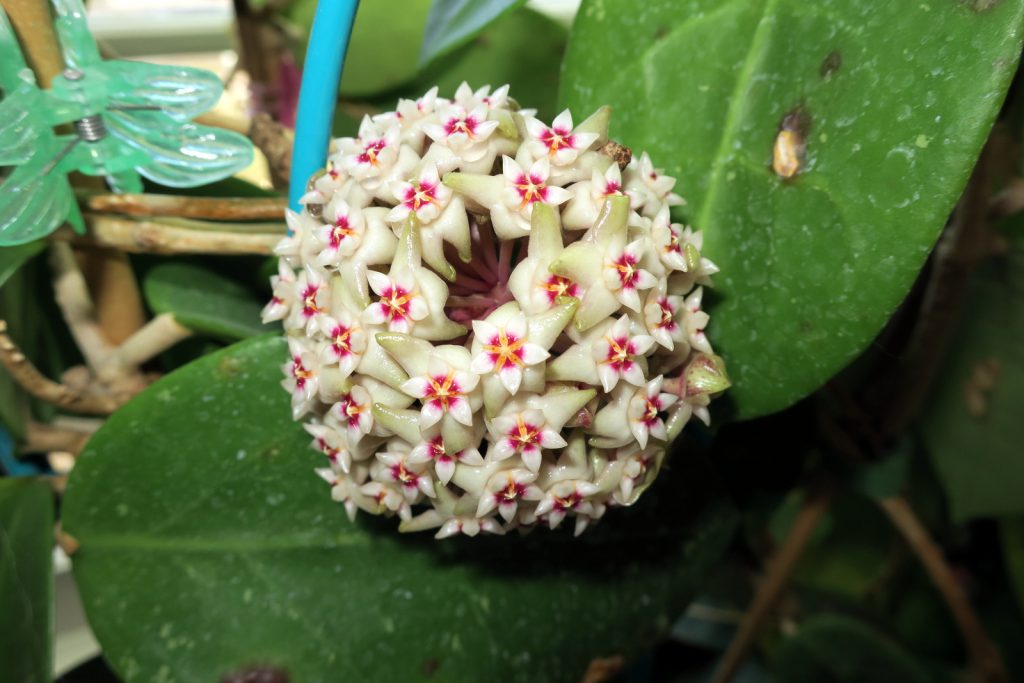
point(91, 128)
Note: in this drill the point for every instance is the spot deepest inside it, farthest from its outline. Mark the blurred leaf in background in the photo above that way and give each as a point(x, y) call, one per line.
point(26, 580)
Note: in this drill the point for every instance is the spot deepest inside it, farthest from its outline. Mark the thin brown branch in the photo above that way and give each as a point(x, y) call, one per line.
point(33, 24)
point(774, 584)
point(985, 657)
point(29, 378)
point(1009, 200)
point(152, 237)
point(275, 141)
point(210, 208)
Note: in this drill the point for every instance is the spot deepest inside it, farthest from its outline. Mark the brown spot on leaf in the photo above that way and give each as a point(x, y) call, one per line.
point(831, 64)
point(430, 667)
point(229, 367)
point(602, 669)
point(256, 674)
point(660, 32)
point(790, 142)
point(979, 6)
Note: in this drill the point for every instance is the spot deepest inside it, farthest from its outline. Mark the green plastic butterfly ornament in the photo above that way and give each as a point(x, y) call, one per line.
point(130, 119)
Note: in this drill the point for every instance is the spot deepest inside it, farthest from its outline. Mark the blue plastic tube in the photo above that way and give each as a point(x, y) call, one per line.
point(321, 74)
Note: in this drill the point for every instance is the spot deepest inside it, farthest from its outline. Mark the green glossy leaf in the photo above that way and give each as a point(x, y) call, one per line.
point(208, 544)
point(203, 299)
point(833, 647)
point(893, 101)
point(383, 52)
point(452, 23)
point(26, 580)
point(972, 422)
point(522, 48)
point(13, 258)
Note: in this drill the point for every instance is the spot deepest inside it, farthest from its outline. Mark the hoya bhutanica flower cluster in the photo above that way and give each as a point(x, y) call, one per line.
point(493, 322)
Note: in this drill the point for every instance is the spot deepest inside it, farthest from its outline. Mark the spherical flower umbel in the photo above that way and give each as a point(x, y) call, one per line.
point(492, 324)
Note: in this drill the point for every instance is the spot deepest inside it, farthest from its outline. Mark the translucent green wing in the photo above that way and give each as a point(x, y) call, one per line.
point(35, 203)
point(181, 155)
point(77, 44)
point(182, 93)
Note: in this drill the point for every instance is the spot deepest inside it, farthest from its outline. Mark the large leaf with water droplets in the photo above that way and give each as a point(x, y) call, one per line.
point(892, 101)
point(208, 546)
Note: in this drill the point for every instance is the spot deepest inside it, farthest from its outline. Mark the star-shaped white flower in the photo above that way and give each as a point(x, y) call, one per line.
point(588, 196)
point(345, 341)
point(523, 433)
point(283, 294)
point(463, 131)
point(648, 187)
point(619, 355)
point(341, 235)
point(446, 390)
point(424, 197)
point(412, 476)
point(645, 412)
point(410, 296)
point(505, 350)
point(467, 98)
point(301, 380)
point(313, 299)
point(433, 449)
point(535, 288)
point(565, 497)
point(524, 188)
point(557, 142)
point(400, 304)
point(505, 489)
point(661, 316)
point(352, 414)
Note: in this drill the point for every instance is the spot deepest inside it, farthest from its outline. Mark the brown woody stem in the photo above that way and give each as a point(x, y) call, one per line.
point(774, 584)
point(985, 657)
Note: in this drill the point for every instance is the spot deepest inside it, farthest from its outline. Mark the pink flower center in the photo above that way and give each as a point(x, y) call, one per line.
point(569, 502)
point(371, 151)
point(557, 286)
point(626, 265)
point(420, 194)
point(512, 492)
point(668, 315)
point(327, 449)
point(531, 188)
point(395, 301)
point(350, 410)
point(443, 390)
point(558, 138)
point(461, 124)
point(342, 229)
point(504, 350)
point(300, 372)
point(620, 350)
point(405, 477)
point(341, 340)
point(524, 436)
point(651, 408)
point(309, 305)
point(612, 187)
